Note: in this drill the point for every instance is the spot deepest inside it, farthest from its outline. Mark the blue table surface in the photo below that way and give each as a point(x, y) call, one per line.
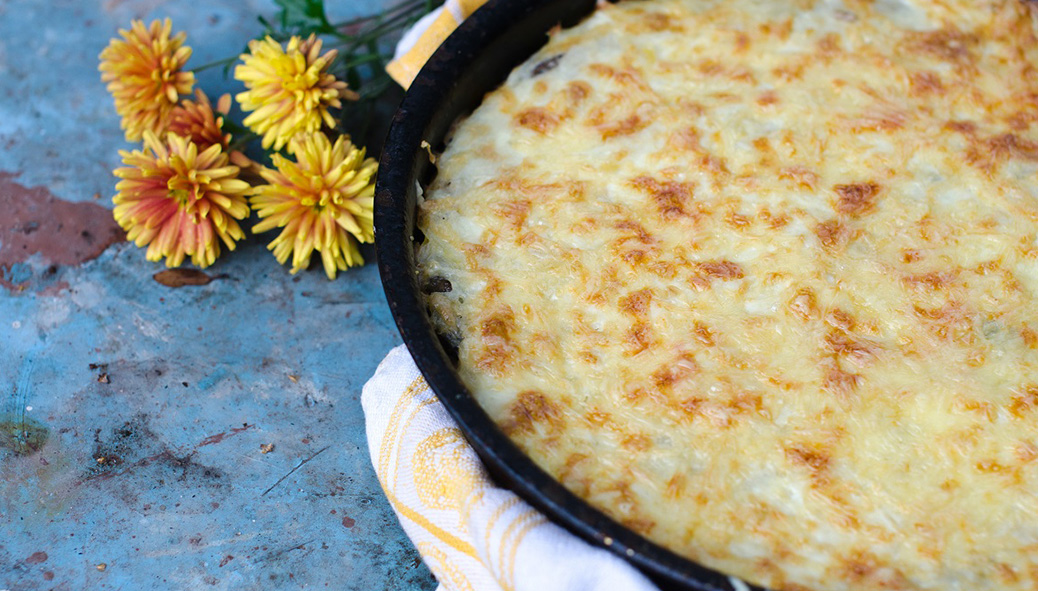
point(132, 414)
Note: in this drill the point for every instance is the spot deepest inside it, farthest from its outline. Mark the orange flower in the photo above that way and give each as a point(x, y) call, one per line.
point(323, 202)
point(197, 121)
point(290, 89)
point(178, 201)
point(143, 72)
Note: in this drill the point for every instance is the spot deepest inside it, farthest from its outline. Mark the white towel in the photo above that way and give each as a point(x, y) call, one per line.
point(473, 535)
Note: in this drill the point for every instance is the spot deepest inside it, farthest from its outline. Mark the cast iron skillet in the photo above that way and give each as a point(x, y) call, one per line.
point(474, 60)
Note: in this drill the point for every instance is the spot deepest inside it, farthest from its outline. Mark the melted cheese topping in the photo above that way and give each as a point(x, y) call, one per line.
point(759, 280)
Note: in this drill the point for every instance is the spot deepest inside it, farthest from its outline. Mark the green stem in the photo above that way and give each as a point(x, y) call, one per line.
point(224, 62)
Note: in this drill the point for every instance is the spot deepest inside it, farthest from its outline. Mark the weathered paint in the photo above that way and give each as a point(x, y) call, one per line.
point(133, 411)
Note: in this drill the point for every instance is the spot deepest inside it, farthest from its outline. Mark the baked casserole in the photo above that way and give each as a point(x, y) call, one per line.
point(757, 278)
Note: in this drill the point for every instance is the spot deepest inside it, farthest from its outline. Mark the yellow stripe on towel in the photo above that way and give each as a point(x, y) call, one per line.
point(406, 67)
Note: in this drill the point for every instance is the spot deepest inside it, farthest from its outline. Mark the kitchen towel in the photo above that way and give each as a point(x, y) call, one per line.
point(473, 535)
point(421, 40)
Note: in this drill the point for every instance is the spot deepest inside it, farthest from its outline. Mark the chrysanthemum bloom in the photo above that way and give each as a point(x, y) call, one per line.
point(144, 75)
point(323, 202)
point(290, 89)
point(178, 200)
point(198, 122)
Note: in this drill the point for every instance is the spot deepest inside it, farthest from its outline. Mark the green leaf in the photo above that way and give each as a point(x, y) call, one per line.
point(303, 17)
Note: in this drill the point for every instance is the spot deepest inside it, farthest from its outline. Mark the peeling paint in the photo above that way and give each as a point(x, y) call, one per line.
point(62, 232)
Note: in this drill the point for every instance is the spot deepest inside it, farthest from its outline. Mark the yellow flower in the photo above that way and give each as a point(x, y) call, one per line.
point(143, 72)
point(290, 90)
point(324, 202)
point(178, 200)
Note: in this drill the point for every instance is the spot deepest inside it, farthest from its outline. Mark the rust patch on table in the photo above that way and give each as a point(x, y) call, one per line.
point(62, 232)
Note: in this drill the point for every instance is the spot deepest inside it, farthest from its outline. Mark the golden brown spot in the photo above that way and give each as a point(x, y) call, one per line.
point(838, 381)
point(878, 118)
point(692, 406)
point(637, 338)
point(634, 257)
point(676, 486)
point(538, 119)
point(781, 30)
point(910, 256)
point(675, 371)
point(637, 303)
point(597, 417)
point(815, 460)
point(660, 21)
point(832, 234)
point(963, 127)
point(773, 221)
point(924, 83)
point(745, 403)
point(628, 126)
point(664, 269)
point(990, 466)
point(859, 566)
point(723, 270)
point(577, 91)
point(801, 176)
point(685, 139)
point(856, 199)
point(641, 525)
point(626, 77)
point(789, 73)
point(710, 67)
point(950, 321)
point(715, 165)
point(1030, 337)
point(804, 304)
point(637, 232)
point(703, 334)
point(670, 197)
point(532, 408)
point(737, 220)
point(767, 98)
point(1026, 451)
point(840, 319)
point(829, 45)
point(496, 333)
point(742, 42)
point(932, 281)
point(514, 210)
point(1002, 147)
point(841, 343)
point(986, 409)
point(947, 44)
point(570, 474)
point(637, 442)
point(1024, 402)
point(1007, 573)
point(1022, 120)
